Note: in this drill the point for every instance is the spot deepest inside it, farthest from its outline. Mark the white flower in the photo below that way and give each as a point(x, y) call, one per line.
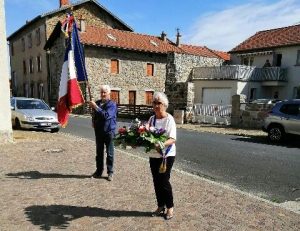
point(152, 129)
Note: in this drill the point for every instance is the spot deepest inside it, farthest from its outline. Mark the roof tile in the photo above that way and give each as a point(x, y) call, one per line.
point(271, 38)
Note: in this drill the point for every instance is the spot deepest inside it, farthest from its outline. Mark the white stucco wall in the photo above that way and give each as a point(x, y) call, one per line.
point(289, 56)
point(201, 84)
point(5, 115)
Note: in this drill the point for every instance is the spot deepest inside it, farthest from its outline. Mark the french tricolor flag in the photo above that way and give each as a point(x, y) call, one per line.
point(70, 95)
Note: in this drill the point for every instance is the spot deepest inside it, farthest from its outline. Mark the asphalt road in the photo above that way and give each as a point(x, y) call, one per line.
point(254, 166)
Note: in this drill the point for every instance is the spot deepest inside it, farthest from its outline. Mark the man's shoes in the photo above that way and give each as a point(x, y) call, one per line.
point(110, 177)
point(96, 175)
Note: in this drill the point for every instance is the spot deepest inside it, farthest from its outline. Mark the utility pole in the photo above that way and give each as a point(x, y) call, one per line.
point(5, 115)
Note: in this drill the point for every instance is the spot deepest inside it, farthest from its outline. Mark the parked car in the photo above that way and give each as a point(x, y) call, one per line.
point(266, 101)
point(30, 113)
point(282, 119)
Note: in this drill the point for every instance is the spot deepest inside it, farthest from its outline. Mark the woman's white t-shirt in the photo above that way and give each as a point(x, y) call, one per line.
point(167, 123)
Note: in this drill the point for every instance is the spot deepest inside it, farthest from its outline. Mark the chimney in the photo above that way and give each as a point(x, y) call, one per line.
point(63, 3)
point(163, 36)
point(82, 23)
point(27, 21)
point(178, 42)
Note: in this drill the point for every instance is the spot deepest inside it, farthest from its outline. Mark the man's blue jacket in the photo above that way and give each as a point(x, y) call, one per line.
point(105, 117)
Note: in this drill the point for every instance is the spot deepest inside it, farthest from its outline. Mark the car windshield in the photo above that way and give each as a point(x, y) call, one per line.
point(31, 104)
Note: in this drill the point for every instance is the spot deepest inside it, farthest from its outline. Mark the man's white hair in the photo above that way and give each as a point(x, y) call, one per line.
point(105, 87)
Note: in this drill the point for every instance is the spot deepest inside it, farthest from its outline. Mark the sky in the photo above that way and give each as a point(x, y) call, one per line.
point(216, 24)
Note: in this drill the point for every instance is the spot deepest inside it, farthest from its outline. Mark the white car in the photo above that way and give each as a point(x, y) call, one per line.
point(266, 101)
point(31, 113)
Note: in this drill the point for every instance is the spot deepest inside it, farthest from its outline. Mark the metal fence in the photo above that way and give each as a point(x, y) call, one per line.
point(211, 113)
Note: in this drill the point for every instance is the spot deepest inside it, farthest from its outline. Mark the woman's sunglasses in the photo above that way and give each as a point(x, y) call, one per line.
point(157, 103)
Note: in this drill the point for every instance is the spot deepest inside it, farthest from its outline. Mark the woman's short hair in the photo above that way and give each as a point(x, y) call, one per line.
point(105, 87)
point(162, 96)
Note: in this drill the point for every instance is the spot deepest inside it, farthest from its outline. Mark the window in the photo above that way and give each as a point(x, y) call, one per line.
point(24, 67)
point(31, 65)
point(32, 90)
point(29, 41)
point(37, 36)
point(14, 80)
point(278, 58)
point(298, 58)
point(248, 61)
point(148, 97)
point(114, 96)
point(23, 44)
point(296, 94)
point(12, 49)
point(114, 66)
point(25, 89)
point(41, 91)
point(291, 109)
point(252, 94)
point(39, 63)
point(150, 69)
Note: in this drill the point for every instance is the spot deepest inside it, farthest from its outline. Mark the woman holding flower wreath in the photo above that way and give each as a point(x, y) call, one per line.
point(161, 160)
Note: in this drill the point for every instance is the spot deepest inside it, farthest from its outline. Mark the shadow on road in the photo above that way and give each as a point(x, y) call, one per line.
point(59, 216)
point(37, 175)
point(291, 142)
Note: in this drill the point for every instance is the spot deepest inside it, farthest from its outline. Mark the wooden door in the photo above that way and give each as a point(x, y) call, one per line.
point(132, 97)
point(148, 97)
point(114, 96)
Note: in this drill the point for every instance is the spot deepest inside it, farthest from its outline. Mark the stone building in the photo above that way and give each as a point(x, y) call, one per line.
point(30, 62)
point(134, 65)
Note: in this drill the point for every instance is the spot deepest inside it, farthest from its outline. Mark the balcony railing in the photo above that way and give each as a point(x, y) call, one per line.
point(241, 72)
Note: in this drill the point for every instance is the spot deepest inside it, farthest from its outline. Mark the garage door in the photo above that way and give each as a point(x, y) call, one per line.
point(220, 96)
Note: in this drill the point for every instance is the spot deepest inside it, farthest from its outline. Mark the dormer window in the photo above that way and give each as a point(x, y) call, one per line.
point(111, 37)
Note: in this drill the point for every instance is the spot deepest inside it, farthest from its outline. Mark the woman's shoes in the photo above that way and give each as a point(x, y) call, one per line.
point(159, 211)
point(170, 215)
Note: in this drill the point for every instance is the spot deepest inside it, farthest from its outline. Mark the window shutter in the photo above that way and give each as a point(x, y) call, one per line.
point(114, 67)
point(149, 69)
point(148, 97)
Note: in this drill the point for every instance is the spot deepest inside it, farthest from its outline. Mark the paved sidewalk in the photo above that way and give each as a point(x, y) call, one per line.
point(45, 185)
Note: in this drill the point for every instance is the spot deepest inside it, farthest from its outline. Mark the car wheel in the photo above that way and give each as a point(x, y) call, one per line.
point(53, 130)
point(275, 133)
point(17, 124)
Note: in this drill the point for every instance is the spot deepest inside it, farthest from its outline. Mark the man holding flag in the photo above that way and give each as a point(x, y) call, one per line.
point(104, 122)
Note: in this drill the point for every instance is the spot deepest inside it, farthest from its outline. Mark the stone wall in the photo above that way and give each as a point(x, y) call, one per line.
point(131, 77)
point(247, 115)
point(179, 87)
point(132, 72)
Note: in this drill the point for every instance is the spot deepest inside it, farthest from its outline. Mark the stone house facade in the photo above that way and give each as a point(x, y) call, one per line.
point(30, 62)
